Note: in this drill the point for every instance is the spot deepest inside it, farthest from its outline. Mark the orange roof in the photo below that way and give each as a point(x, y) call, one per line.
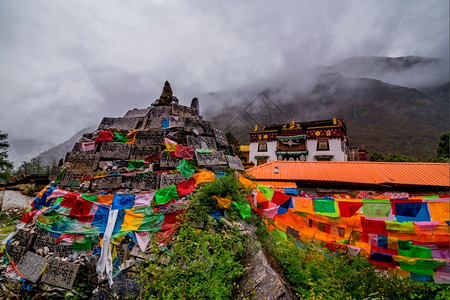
point(280, 184)
point(356, 172)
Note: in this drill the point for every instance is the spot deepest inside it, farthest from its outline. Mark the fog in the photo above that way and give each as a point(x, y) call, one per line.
point(66, 64)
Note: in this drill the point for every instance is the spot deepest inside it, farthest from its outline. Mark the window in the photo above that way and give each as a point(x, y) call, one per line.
point(322, 144)
point(261, 160)
point(262, 146)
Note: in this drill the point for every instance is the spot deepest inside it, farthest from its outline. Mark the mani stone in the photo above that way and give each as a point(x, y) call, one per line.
point(31, 266)
point(211, 159)
point(149, 182)
point(128, 124)
point(85, 162)
point(60, 273)
point(73, 174)
point(137, 113)
point(235, 163)
point(149, 137)
point(141, 152)
point(170, 179)
point(196, 142)
point(184, 111)
point(106, 183)
point(168, 161)
point(221, 139)
point(115, 150)
point(23, 237)
point(15, 252)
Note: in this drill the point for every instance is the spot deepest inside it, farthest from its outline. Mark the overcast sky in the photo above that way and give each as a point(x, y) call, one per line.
point(66, 64)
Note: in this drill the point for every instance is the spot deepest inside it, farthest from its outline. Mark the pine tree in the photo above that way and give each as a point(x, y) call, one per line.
point(442, 151)
point(5, 165)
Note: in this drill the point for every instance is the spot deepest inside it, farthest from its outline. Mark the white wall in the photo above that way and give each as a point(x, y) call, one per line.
point(271, 151)
point(335, 150)
point(15, 199)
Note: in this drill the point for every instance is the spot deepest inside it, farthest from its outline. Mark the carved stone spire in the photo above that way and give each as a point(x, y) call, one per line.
point(195, 104)
point(166, 95)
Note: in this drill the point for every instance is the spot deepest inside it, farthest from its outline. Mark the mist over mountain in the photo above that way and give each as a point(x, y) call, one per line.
point(381, 114)
point(391, 105)
point(59, 151)
point(21, 150)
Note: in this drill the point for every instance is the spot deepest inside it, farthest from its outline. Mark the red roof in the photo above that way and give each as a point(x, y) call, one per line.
point(356, 172)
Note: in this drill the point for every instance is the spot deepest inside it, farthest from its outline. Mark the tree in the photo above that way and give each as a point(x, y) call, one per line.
point(5, 165)
point(442, 151)
point(392, 157)
point(234, 143)
point(376, 157)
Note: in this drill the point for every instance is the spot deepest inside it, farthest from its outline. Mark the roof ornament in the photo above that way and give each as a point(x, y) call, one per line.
point(334, 121)
point(292, 123)
point(256, 127)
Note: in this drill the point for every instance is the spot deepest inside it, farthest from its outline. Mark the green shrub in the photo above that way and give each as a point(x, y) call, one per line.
point(204, 256)
point(316, 274)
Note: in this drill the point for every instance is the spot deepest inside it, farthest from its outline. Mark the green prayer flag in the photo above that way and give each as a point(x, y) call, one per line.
point(60, 176)
point(203, 151)
point(58, 201)
point(244, 209)
point(185, 168)
point(267, 192)
point(135, 164)
point(405, 227)
point(152, 222)
point(92, 198)
point(404, 247)
point(376, 208)
point(85, 244)
point(422, 267)
point(164, 195)
point(120, 137)
point(420, 252)
point(327, 208)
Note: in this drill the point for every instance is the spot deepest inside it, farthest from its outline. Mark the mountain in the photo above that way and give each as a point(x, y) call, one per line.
point(59, 151)
point(21, 150)
point(384, 116)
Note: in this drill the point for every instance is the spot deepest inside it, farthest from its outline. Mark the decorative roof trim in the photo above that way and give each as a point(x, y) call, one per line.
point(300, 136)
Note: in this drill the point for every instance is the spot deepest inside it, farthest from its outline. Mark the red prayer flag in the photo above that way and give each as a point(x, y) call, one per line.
point(185, 187)
point(279, 198)
point(81, 208)
point(152, 158)
point(28, 216)
point(348, 209)
point(104, 136)
point(371, 226)
point(183, 152)
point(69, 200)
